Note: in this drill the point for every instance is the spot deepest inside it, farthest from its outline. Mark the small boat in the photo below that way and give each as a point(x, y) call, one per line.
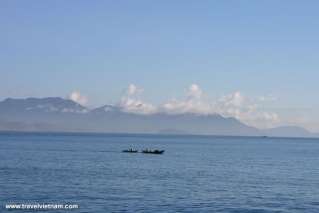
point(130, 150)
point(146, 151)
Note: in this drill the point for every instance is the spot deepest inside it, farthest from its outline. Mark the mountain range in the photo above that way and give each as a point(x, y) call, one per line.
point(58, 114)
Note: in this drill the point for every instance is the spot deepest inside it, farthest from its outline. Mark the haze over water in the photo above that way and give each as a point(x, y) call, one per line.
point(196, 174)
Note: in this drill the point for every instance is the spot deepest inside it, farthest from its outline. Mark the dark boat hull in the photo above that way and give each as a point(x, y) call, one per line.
point(153, 152)
point(127, 151)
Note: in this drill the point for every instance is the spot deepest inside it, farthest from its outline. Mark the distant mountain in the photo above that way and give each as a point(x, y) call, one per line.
point(40, 114)
point(58, 114)
point(54, 104)
point(291, 131)
point(105, 109)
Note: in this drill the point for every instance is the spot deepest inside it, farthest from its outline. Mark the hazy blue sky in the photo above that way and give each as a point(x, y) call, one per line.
point(260, 48)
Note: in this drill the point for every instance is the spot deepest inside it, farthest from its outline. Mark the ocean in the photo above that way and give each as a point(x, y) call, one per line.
point(195, 174)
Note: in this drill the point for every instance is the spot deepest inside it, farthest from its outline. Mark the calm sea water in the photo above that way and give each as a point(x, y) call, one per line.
point(196, 174)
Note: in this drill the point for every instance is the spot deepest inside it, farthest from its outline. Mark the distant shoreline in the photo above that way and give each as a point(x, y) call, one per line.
point(125, 134)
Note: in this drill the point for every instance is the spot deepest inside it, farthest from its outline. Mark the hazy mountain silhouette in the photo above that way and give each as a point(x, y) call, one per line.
point(291, 131)
point(58, 114)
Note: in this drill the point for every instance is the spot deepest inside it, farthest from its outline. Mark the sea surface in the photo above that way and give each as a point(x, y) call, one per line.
point(195, 174)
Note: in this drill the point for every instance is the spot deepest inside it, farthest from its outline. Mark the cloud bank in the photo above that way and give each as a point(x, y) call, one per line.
point(196, 101)
point(131, 101)
point(78, 98)
point(245, 109)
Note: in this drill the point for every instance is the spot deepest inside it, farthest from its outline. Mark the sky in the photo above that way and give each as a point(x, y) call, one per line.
point(253, 60)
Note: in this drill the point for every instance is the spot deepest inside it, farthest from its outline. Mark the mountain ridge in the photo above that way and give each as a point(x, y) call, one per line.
point(59, 114)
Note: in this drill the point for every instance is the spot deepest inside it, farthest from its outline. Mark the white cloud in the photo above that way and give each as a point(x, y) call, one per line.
point(131, 101)
point(195, 101)
point(195, 91)
point(78, 98)
point(133, 90)
point(245, 109)
point(233, 105)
